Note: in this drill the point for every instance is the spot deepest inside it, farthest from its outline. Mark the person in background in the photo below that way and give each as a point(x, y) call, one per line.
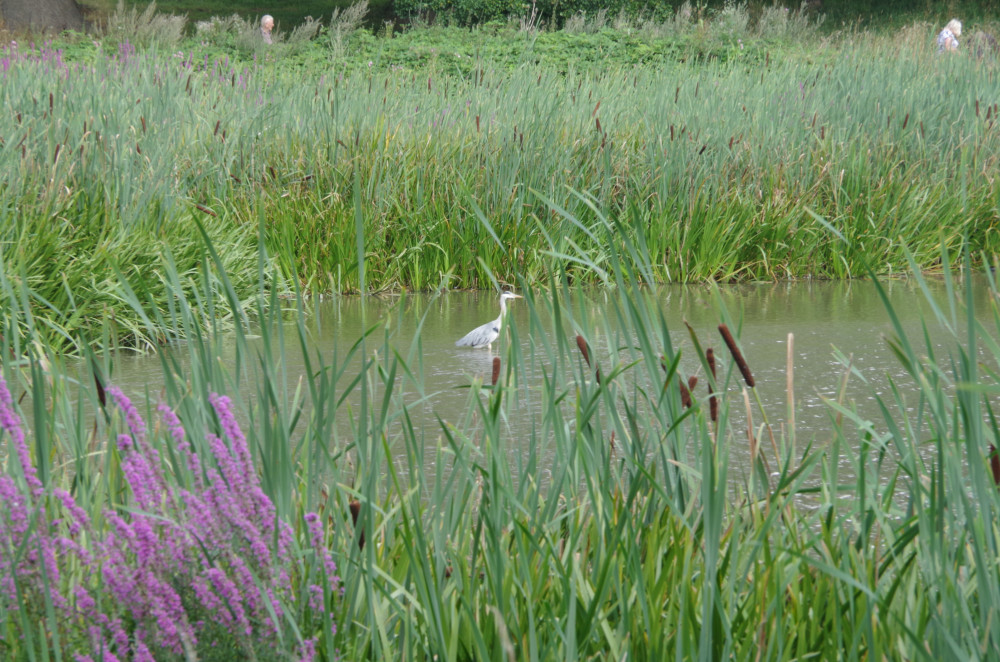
point(267, 24)
point(948, 38)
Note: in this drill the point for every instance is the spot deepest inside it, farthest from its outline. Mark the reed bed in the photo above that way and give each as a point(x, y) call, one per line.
point(619, 530)
point(718, 167)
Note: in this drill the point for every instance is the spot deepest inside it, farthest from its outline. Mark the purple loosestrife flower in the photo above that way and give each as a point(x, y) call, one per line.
point(308, 651)
point(80, 519)
point(11, 423)
point(171, 566)
point(135, 423)
point(315, 527)
point(178, 436)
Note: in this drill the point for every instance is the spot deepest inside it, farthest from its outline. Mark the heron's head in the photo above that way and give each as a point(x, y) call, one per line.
point(507, 296)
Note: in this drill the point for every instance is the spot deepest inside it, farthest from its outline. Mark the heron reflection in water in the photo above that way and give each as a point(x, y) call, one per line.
point(484, 335)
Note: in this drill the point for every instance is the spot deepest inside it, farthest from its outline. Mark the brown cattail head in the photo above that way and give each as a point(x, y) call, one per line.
point(205, 209)
point(582, 345)
point(995, 464)
point(101, 395)
point(710, 359)
point(496, 370)
point(612, 441)
point(685, 395)
point(355, 507)
point(737, 355)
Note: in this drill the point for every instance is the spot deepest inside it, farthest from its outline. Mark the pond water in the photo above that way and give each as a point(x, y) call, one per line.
point(828, 319)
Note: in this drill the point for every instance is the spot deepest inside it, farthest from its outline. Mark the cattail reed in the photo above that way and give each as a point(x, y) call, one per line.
point(995, 464)
point(737, 355)
point(585, 350)
point(206, 210)
point(713, 405)
point(685, 395)
point(355, 507)
point(582, 346)
point(102, 396)
point(496, 370)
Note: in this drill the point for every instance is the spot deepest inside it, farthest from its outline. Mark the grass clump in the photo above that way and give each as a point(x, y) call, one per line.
point(146, 28)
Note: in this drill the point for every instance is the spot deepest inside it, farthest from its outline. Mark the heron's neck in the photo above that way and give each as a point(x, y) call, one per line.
point(503, 307)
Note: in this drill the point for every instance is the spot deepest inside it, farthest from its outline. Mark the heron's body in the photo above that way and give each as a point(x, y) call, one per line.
point(485, 335)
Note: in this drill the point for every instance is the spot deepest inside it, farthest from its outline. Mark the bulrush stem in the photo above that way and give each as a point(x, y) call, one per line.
point(496, 370)
point(737, 355)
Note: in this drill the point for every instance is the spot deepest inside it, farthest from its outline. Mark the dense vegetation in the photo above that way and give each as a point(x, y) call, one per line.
point(168, 188)
point(719, 145)
point(877, 14)
point(619, 526)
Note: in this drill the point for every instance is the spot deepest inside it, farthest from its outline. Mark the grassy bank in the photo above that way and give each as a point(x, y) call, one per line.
point(618, 529)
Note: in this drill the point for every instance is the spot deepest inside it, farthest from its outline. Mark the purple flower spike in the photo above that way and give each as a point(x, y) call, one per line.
point(135, 423)
point(11, 422)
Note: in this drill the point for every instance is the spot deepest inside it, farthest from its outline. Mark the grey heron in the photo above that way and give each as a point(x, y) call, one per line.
point(483, 336)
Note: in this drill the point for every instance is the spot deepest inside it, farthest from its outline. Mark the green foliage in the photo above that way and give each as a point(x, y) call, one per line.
point(717, 143)
point(464, 12)
point(621, 524)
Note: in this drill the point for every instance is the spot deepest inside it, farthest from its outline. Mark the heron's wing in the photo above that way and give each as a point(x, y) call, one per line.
point(480, 336)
